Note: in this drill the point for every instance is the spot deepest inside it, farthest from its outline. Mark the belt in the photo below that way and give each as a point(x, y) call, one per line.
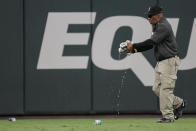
point(166, 58)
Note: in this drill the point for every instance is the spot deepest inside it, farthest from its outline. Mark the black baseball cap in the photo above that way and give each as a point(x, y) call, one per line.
point(153, 10)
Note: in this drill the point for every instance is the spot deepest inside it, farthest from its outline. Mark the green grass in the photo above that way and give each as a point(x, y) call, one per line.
point(109, 124)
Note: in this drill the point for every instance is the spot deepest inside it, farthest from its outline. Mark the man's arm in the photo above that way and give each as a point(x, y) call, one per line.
point(136, 47)
point(142, 46)
point(159, 35)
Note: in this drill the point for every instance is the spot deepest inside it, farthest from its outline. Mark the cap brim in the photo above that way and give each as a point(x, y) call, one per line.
point(152, 14)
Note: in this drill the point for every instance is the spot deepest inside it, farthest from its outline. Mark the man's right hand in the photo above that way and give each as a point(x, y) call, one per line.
point(125, 47)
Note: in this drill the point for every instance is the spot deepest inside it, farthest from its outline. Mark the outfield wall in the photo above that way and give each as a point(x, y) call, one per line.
point(60, 57)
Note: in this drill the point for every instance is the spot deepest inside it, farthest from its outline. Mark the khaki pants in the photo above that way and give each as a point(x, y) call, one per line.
point(165, 78)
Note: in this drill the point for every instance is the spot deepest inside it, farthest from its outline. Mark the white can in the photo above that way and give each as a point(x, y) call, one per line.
point(98, 122)
point(12, 119)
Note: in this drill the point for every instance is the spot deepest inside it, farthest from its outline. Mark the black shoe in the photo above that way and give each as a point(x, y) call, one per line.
point(164, 120)
point(178, 112)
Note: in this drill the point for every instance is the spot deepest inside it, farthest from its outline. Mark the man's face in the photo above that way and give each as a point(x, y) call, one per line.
point(153, 19)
